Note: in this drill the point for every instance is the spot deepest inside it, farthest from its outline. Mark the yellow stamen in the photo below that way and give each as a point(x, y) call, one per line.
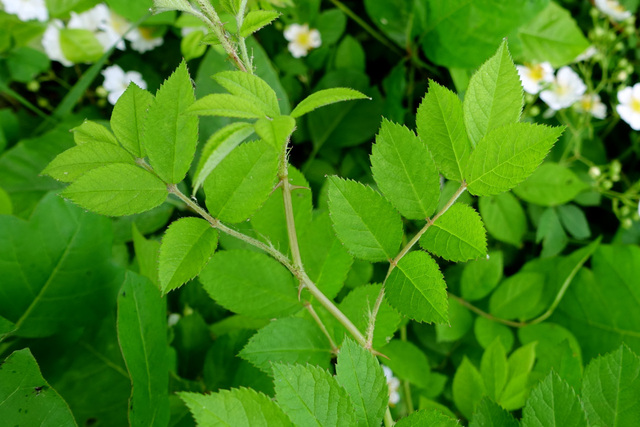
point(635, 105)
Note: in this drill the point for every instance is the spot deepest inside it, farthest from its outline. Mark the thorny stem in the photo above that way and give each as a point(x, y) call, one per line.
point(241, 40)
point(312, 312)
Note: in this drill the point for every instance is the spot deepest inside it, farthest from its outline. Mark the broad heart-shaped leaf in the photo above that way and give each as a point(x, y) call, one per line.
point(186, 248)
point(76, 161)
point(404, 171)
point(218, 146)
point(288, 340)
point(142, 334)
point(504, 218)
point(326, 97)
point(311, 397)
point(256, 19)
point(361, 375)
point(553, 403)
point(416, 289)
point(239, 407)
point(610, 389)
point(170, 137)
point(468, 387)
point(550, 185)
point(427, 417)
point(364, 221)
point(45, 265)
point(26, 399)
point(440, 123)
point(127, 119)
point(90, 131)
point(506, 156)
point(225, 105)
point(117, 189)
point(494, 96)
point(458, 235)
point(251, 88)
point(494, 369)
point(276, 131)
point(250, 283)
point(241, 183)
point(490, 414)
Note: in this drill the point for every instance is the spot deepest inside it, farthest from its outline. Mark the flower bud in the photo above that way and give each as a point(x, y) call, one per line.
point(606, 184)
point(627, 223)
point(616, 167)
point(101, 92)
point(33, 86)
point(594, 172)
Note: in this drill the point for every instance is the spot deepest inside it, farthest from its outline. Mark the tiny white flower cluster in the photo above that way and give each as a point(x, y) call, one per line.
point(394, 385)
point(613, 9)
point(116, 81)
point(302, 39)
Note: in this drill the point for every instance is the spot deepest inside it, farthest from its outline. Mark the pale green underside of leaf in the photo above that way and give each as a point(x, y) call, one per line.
point(218, 146)
point(276, 343)
point(310, 396)
point(458, 235)
point(276, 131)
point(364, 221)
point(127, 119)
point(362, 377)
point(241, 183)
point(550, 185)
point(117, 190)
point(326, 97)
point(90, 131)
point(186, 248)
point(553, 403)
point(250, 283)
point(506, 156)
point(256, 19)
point(76, 161)
point(225, 105)
point(440, 123)
point(241, 407)
point(494, 96)
point(403, 169)
point(170, 137)
point(417, 289)
point(251, 88)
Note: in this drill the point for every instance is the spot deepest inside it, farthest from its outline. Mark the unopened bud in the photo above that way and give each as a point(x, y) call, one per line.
point(606, 184)
point(627, 223)
point(33, 86)
point(616, 167)
point(534, 111)
point(594, 172)
point(101, 92)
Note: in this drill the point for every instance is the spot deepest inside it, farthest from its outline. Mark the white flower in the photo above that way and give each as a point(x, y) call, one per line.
point(98, 20)
point(185, 31)
point(591, 103)
point(629, 107)
point(301, 39)
point(116, 81)
point(613, 9)
point(27, 9)
point(51, 43)
point(142, 39)
point(587, 54)
point(394, 384)
point(565, 90)
point(535, 76)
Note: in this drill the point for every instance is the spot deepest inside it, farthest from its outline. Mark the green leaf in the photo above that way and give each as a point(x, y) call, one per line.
point(551, 233)
point(225, 105)
point(407, 362)
point(276, 131)
point(142, 334)
point(217, 148)
point(493, 369)
point(486, 331)
point(400, 20)
point(276, 343)
point(403, 169)
point(127, 119)
point(417, 289)
point(490, 414)
point(117, 189)
point(518, 296)
point(331, 23)
point(432, 418)
point(494, 96)
point(349, 55)
point(250, 88)
point(147, 252)
point(241, 183)
point(45, 265)
point(574, 221)
point(241, 407)
point(553, 403)
point(326, 97)
point(6, 206)
point(481, 276)
point(468, 387)
point(458, 235)
point(310, 396)
point(550, 185)
point(76, 161)
point(460, 321)
point(362, 377)
point(256, 19)
point(504, 218)
point(610, 389)
point(186, 248)
point(79, 45)
point(553, 36)
point(364, 221)
point(90, 131)
point(262, 287)
point(441, 126)
point(170, 137)
point(26, 398)
point(506, 156)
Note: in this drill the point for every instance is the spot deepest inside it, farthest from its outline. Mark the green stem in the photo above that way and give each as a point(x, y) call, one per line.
point(215, 24)
point(485, 314)
point(241, 40)
point(388, 419)
point(323, 328)
point(7, 91)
